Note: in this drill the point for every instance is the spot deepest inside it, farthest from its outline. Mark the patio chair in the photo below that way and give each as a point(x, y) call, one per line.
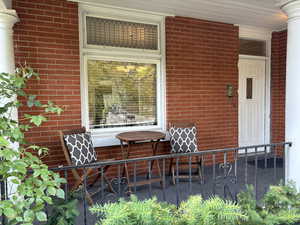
point(78, 150)
point(183, 139)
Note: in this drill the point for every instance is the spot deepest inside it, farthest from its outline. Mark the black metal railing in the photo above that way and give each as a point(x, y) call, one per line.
point(224, 172)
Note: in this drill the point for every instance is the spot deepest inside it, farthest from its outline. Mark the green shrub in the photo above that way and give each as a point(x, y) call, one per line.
point(194, 211)
point(64, 212)
point(135, 212)
point(33, 190)
point(214, 211)
point(280, 205)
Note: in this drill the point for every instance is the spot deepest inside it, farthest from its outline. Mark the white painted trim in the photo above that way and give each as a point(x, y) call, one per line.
point(283, 3)
point(236, 5)
point(163, 73)
point(110, 8)
point(268, 96)
point(106, 136)
point(253, 57)
point(258, 33)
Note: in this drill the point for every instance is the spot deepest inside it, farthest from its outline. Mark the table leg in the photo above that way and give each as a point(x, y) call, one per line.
point(125, 155)
point(154, 151)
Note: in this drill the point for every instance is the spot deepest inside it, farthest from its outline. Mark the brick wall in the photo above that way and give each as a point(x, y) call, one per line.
point(201, 60)
point(279, 43)
point(47, 39)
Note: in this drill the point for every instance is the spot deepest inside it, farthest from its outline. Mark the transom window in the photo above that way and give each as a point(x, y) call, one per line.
point(116, 33)
point(252, 47)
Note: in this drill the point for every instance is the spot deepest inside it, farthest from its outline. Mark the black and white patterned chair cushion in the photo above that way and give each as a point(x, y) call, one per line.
point(183, 140)
point(81, 148)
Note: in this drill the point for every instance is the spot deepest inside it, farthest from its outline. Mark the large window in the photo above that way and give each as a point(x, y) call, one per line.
point(123, 60)
point(121, 94)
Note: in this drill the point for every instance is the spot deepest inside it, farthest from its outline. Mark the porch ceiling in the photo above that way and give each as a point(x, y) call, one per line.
point(261, 13)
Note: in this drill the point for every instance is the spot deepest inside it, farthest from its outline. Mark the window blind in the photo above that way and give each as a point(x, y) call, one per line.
point(116, 33)
point(121, 94)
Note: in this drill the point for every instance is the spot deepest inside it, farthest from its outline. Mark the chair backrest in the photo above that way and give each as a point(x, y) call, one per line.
point(77, 146)
point(183, 137)
point(182, 124)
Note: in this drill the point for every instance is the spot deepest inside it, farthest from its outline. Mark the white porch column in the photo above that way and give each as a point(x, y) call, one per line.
point(8, 18)
point(292, 116)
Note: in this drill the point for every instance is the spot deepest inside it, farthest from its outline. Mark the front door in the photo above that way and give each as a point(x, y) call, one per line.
point(252, 86)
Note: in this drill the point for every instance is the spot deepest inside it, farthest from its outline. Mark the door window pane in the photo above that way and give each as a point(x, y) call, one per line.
point(121, 94)
point(249, 88)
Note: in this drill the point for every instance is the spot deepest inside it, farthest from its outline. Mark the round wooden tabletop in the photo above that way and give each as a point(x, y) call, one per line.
point(140, 136)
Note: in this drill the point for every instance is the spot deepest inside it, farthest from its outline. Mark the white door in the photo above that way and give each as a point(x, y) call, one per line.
point(252, 85)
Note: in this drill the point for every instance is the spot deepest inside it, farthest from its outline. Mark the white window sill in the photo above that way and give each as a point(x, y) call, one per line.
point(109, 138)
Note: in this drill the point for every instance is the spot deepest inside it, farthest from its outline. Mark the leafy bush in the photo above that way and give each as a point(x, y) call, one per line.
point(64, 212)
point(280, 205)
point(214, 211)
point(194, 211)
point(33, 190)
point(135, 212)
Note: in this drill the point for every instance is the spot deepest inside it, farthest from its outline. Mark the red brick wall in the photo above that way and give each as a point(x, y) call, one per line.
point(47, 39)
point(201, 60)
point(279, 43)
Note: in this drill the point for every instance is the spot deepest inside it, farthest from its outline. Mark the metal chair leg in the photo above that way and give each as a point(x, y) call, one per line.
point(110, 187)
point(173, 175)
point(171, 165)
point(199, 162)
point(89, 198)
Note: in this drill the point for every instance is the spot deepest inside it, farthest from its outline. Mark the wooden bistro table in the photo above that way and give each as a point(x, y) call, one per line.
point(129, 138)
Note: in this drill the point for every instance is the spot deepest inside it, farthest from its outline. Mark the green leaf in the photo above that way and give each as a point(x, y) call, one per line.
point(9, 212)
point(41, 216)
point(30, 101)
point(28, 215)
point(47, 199)
point(60, 193)
point(36, 120)
point(15, 181)
point(20, 166)
point(51, 190)
point(3, 141)
point(37, 103)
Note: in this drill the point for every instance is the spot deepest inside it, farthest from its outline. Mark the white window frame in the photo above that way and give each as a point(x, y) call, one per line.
point(106, 136)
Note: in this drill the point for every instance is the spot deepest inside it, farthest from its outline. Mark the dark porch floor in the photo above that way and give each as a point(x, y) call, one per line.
point(181, 191)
